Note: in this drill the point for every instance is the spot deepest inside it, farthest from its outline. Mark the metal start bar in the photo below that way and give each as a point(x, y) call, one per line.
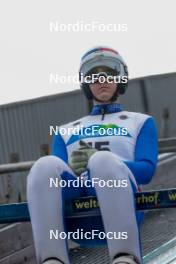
point(84, 207)
point(16, 167)
point(166, 145)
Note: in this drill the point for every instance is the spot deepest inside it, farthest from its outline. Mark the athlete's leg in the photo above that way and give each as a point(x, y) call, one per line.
point(46, 206)
point(116, 204)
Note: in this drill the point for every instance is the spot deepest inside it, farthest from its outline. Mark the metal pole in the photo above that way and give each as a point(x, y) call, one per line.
point(16, 167)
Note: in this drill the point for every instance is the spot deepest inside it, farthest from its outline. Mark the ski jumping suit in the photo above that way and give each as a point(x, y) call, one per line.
point(130, 156)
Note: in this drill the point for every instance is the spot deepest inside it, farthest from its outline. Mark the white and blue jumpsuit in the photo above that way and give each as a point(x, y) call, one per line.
point(132, 156)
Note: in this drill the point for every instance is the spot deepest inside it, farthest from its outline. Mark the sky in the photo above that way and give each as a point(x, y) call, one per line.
point(32, 53)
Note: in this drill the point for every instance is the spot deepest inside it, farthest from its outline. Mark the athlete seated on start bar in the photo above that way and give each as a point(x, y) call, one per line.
point(123, 147)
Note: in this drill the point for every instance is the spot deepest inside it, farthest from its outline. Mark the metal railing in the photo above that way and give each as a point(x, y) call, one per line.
point(16, 167)
point(167, 145)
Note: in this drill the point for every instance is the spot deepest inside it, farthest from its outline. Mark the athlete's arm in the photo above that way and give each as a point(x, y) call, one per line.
point(146, 153)
point(59, 148)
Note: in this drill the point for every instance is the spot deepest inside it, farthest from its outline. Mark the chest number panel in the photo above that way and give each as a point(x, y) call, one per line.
point(102, 145)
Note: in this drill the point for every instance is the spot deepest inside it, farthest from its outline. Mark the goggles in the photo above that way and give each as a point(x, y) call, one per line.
point(96, 75)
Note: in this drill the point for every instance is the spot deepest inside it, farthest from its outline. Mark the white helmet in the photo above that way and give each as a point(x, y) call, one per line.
point(103, 57)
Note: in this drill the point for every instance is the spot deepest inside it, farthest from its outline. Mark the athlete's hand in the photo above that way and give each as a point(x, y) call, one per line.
point(80, 158)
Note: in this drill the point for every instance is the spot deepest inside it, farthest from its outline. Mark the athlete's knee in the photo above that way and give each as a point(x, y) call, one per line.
point(98, 157)
point(43, 169)
point(104, 159)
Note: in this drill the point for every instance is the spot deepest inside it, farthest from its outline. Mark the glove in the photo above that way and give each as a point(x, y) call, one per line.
point(80, 158)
